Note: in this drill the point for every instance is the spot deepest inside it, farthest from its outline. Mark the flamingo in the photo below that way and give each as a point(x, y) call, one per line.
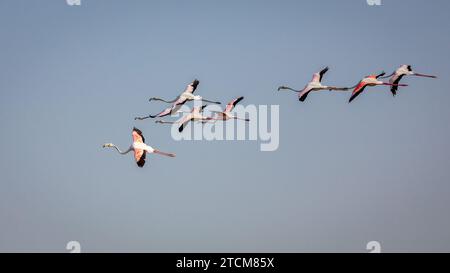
point(139, 147)
point(403, 70)
point(178, 101)
point(194, 115)
point(314, 85)
point(371, 80)
point(226, 115)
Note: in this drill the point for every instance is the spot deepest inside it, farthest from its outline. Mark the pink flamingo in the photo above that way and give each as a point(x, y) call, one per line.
point(371, 80)
point(314, 85)
point(139, 148)
point(187, 95)
point(403, 70)
point(194, 115)
point(226, 114)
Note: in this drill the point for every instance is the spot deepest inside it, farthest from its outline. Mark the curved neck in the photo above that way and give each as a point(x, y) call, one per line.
point(388, 76)
point(291, 89)
point(167, 101)
point(120, 152)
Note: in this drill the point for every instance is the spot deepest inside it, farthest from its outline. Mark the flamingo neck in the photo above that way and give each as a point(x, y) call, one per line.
point(123, 153)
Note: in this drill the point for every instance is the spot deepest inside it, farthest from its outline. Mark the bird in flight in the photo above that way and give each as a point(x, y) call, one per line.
point(403, 70)
point(187, 95)
point(226, 114)
point(139, 148)
point(371, 80)
point(194, 115)
point(314, 85)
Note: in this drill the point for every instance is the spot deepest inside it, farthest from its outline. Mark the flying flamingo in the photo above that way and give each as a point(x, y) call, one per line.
point(371, 80)
point(226, 115)
point(177, 102)
point(194, 115)
point(139, 147)
point(403, 70)
point(187, 95)
point(314, 85)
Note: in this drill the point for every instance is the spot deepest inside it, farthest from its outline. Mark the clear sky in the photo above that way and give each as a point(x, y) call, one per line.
point(73, 78)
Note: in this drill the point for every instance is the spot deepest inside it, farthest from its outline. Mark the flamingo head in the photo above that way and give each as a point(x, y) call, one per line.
point(108, 145)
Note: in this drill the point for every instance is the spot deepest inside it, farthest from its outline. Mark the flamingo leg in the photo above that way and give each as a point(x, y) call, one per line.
point(142, 118)
point(334, 88)
point(394, 84)
point(244, 119)
point(424, 75)
point(215, 102)
point(166, 122)
point(164, 153)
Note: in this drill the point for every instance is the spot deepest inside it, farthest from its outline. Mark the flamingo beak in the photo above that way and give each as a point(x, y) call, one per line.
point(424, 75)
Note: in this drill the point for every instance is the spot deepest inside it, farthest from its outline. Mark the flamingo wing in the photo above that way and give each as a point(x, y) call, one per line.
point(302, 95)
point(139, 156)
point(164, 112)
point(358, 90)
point(232, 104)
point(179, 102)
point(169, 110)
point(184, 121)
point(316, 77)
point(137, 135)
point(395, 80)
point(192, 86)
point(322, 72)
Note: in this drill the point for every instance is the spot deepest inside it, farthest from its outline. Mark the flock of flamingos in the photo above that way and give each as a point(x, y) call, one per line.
point(140, 149)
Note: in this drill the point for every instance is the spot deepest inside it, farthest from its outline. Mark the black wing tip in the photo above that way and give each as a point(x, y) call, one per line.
point(303, 98)
point(238, 100)
point(141, 161)
point(137, 130)
point(353, 97)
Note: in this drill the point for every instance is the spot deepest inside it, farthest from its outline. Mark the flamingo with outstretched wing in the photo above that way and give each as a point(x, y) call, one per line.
point(139, 148)
point(314, 85)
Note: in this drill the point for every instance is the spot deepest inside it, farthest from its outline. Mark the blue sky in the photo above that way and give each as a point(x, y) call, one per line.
point(73, 78)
